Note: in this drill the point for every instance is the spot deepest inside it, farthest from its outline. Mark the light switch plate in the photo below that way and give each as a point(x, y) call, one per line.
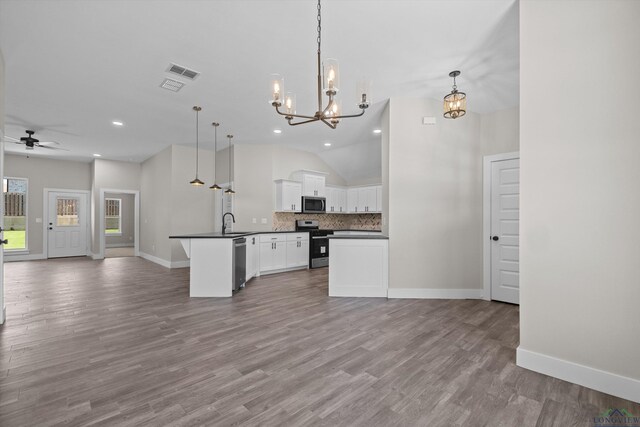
point(264, 220)
point(255, 221)
point(428, 120)
point(38, 220)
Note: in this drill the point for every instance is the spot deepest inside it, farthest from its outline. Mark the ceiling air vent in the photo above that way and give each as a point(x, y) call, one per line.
point(172, 85)
point(183, 71)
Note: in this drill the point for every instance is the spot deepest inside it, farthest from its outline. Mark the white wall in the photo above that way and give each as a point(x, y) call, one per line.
point(191, 208)
point(433, 175)
point(580, 189)
point(155, 202)
point(43, 172)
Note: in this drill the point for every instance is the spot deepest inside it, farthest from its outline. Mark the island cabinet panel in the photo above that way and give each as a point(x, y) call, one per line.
point(273, 255)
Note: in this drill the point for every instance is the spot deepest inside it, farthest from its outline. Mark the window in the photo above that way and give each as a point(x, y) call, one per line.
point(15, 213)
point(67, 212)
point(113, 219)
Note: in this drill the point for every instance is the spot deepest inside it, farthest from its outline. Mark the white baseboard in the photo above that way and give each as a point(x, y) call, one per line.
point(358, 292)
point(95, 256)
point(119, 245)
point(3, 315)
point(606, 382)
point(164, 262)
point(421, 293)
point(23, 257)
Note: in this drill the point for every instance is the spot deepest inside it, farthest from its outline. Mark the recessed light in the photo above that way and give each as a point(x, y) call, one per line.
point(277, 131)
point(377, 131)
point(327, 144)
point(117, 123)
point(97, 155)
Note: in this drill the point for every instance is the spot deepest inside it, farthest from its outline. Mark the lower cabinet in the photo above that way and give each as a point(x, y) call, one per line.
point(273, 253)
point(253, 256)
point(283, 251)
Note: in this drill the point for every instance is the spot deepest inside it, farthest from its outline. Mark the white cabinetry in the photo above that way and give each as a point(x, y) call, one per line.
point(297, 250)
point(364, 199)
point(273, 252)
point(253, 256)
point(282, 251)
point(288, 196)
point(352, 200)
point(313, 183)
point(336, 199)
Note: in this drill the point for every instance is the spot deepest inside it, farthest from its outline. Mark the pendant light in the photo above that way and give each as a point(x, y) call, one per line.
point(455, 103)
point(229, 190)
point(215, 155)
point(196, 182)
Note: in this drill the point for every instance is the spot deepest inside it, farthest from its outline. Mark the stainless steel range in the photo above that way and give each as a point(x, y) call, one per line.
point(319, 243)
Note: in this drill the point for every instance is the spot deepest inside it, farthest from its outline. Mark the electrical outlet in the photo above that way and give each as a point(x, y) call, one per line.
point(264, 220)
point(255, 220)
point(130, 237)
point(38, 220)
point(153, 248)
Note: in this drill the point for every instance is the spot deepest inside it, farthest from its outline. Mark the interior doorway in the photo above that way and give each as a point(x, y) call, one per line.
point(119, 224)
point(502, 227)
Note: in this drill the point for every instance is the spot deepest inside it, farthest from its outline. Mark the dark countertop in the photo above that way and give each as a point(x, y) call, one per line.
point(230, 235)
point(364, 231)
point(239, 234)
point(354, 237)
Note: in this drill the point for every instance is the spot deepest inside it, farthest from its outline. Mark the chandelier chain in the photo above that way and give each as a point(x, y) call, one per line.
point(319, 27)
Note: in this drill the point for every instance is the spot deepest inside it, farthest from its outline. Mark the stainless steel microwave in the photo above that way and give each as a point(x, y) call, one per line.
point(314, 204)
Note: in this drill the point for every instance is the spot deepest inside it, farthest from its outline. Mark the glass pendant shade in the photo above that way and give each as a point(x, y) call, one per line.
point(363, 93)
point(331, 80)
point(276, 89)
point(335, 111)
point(290, 103)
point(455, 103)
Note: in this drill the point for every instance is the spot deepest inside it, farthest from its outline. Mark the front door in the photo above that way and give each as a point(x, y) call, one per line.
point(505, 235)
point(67, 224)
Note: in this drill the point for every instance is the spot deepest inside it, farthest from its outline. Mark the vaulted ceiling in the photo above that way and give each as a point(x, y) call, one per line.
point(72, 67)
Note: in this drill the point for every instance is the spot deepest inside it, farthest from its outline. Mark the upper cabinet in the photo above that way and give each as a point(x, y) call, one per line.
point(336, 199)
point(313, 183)
point(288, 196)
point(364, 199)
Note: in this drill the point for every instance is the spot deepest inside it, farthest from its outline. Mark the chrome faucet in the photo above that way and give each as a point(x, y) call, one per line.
point(224, 228)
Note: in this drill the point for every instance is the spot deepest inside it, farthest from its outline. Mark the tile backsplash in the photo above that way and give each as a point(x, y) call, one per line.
point(286, 221)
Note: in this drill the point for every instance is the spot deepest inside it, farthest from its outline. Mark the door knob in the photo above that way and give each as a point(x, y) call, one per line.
point(495, 238)
point(4, 242)
point(50, 228)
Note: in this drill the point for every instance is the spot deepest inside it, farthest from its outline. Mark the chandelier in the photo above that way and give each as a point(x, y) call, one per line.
point(455, 103)
point(328, 81)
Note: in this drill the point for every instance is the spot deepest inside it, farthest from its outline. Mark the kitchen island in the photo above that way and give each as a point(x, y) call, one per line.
point(358, 265)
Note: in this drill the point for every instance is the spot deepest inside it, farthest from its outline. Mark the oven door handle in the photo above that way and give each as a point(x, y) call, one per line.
point(319, 237)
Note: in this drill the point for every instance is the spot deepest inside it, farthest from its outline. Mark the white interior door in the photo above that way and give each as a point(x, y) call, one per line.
point(505, 235)
point(67, 224)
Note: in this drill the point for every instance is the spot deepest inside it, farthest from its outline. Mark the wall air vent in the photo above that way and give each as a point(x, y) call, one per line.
point(182, 71)
point(172, 85)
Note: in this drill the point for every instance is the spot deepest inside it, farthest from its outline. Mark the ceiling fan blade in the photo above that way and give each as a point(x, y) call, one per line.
point(51, 148)
point(49, 142)
point(8, 138)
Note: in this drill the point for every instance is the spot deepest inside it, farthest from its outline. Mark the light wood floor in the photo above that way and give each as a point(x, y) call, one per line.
point(119, 342)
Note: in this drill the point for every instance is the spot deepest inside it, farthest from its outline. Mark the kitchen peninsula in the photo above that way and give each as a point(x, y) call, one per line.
point(214, 271)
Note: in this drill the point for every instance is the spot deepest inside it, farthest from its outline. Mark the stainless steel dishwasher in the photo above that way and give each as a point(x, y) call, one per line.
point(239, 263)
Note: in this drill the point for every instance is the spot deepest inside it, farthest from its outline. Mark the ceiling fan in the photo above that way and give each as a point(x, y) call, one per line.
point(30, 142)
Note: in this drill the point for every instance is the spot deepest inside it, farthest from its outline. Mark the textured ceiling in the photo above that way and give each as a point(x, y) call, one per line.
point(74, 66)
